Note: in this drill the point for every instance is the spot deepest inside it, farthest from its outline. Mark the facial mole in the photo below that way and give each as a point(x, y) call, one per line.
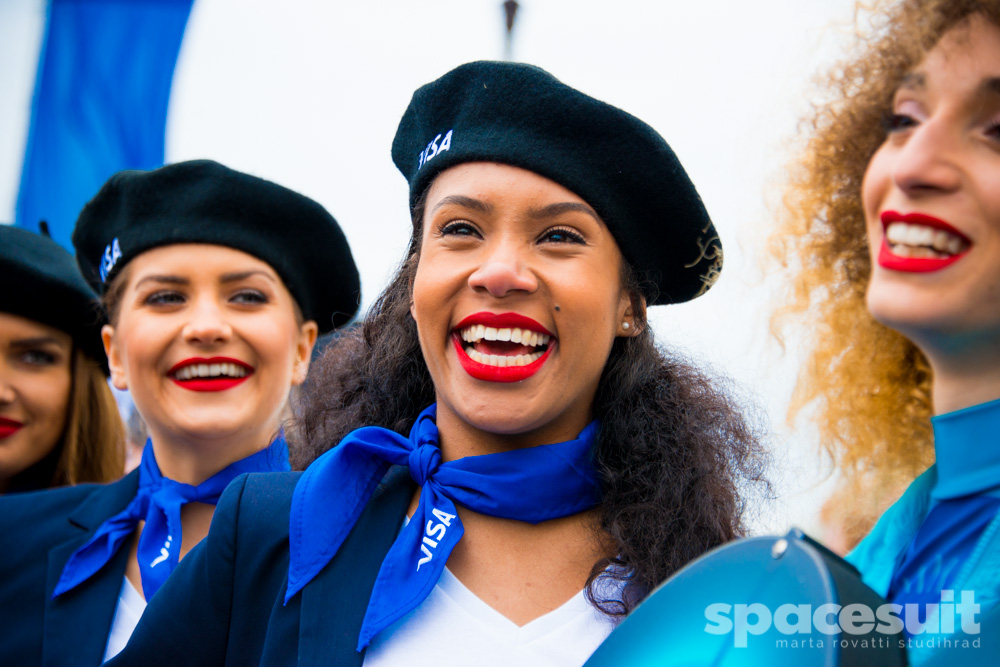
point(557, 309)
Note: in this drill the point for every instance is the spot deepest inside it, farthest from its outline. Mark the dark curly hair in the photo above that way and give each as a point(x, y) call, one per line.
point(675, 453)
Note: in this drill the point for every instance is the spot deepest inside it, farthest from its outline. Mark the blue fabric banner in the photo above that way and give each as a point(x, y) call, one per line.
point(100, 102)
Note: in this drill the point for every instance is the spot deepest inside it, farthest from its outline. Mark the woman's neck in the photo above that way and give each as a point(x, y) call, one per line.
point(458, 438)
point(964, 380)
point(526, 570)
point(192, 459)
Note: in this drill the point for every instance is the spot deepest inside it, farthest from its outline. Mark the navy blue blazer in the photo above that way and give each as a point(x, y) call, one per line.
point(38, 533)
point(224, 604)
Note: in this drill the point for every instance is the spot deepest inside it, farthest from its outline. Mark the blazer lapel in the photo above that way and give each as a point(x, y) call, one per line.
point(334, 603)
point(77, 623)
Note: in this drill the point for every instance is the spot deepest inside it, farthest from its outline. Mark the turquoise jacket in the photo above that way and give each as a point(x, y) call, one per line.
point(878, 555)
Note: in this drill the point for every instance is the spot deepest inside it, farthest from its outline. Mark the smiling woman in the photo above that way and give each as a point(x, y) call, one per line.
point(58, 420)
point(201, 337)
point(216, 284)
point(895, 231)
point(496, 234)
point(558, 465)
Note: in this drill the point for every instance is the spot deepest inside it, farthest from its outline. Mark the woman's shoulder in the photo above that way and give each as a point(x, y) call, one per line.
point(43, 501)
point(258, 503)
point(80, 504)
point(263, 489)
point(265, 498)
point(34, 524)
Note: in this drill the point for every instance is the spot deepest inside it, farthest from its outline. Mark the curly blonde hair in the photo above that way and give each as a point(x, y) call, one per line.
point(869, 387)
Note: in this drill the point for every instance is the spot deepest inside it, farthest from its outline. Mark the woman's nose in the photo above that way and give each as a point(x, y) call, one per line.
point(504, 269)
point(7, 394)
point(927, 162)
point(207, 325)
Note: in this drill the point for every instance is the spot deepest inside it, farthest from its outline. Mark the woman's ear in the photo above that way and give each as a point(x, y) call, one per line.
point(633, 314)
point(411, 274)
point(308, 333)
point(115, 361)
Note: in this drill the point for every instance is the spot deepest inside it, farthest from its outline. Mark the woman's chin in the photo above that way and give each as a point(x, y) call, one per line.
point(935, 328)
point(211, 428)
point(525, 423)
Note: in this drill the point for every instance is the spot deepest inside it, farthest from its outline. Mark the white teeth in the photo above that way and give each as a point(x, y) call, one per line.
point(916, 236)
point(920, 252)
point(210, 370)
point(502, 360)
point(522, 336)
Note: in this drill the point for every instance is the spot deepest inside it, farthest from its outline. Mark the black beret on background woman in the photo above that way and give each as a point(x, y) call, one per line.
point(59, 423)
point(544, 223)
point(216, 285)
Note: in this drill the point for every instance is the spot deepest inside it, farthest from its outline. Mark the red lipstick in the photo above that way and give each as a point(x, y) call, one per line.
point(500, 321)
point(9, 427)
point(216, 383)
point(887, 259)
point(497, 373)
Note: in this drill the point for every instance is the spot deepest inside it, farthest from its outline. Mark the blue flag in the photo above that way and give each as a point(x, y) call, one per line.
point(100, 102)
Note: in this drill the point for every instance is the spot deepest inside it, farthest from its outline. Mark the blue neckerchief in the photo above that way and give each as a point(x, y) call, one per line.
point(967, 449)
point(533, 485)
point(158, 502)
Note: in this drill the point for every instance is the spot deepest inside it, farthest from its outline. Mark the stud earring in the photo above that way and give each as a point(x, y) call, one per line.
point(625, 326)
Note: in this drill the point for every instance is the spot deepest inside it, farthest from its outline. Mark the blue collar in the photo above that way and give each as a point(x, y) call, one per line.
point(967, 447)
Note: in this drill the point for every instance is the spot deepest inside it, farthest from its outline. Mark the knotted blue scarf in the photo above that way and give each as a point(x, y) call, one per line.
point(533, 485)
point(158, 502)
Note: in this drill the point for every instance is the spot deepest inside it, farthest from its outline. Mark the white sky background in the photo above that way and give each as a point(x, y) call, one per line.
point(308, 93)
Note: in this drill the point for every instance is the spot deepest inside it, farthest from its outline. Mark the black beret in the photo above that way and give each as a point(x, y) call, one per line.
point(205, 202)
point(521, 115)
point(41, 283)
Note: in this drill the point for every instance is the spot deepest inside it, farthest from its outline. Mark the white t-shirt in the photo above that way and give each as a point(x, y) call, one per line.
point(131, 604)
point(453, 627)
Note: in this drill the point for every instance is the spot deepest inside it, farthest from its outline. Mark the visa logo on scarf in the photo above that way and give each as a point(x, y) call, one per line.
point(434, 533)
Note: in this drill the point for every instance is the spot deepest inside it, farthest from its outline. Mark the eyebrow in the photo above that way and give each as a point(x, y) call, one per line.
point(236, 276)
point(232, 277)
point(917, 81)
point(169, 280)
point(37, 341)
point(914, 80)
point(553, 210)
point(550, 211)
point(990, 85)
point(466, 202)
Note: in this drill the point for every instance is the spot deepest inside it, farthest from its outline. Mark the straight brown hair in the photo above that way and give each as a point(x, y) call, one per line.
point(93, 447)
